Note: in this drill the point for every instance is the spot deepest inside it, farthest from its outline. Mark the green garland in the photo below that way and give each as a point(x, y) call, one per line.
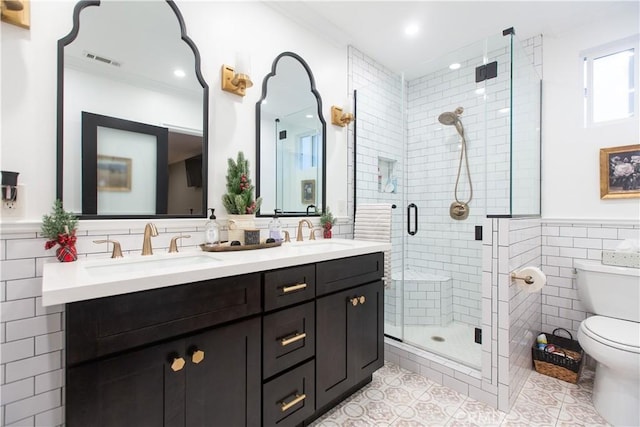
point(59, 222)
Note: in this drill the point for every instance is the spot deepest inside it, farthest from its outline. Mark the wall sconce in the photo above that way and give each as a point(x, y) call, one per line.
point(342, 116)
point(236, 82)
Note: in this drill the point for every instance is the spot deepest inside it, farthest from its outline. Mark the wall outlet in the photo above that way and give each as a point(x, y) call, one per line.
point(14, 209)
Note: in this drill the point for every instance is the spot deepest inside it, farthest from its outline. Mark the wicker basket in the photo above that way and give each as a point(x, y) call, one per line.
point(564, 366)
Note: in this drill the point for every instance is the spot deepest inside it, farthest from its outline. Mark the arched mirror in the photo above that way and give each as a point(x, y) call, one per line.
point(290, 140)
point(132, 113)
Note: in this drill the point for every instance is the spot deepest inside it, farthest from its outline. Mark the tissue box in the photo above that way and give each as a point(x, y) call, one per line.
point(622, 259)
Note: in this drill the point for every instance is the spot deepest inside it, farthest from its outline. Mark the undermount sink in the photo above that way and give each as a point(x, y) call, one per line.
point(148, 264)
point(320, 246)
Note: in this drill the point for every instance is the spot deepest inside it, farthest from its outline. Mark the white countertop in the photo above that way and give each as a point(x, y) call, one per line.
point(97, 278)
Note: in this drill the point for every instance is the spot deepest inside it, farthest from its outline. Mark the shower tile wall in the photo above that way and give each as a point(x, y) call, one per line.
point(511, 316)
point(380, 127)
point(565, 241)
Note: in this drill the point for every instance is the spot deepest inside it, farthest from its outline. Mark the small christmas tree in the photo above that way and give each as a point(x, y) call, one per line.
point(239, 198)
point(60, 229)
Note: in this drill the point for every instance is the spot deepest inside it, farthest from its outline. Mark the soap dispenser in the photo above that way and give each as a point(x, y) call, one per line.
point(275, 227)
point(212, 230)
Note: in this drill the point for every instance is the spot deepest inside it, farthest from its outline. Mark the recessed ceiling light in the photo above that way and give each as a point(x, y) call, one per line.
point(179, 73)
point(411, 30)
point(454, 66)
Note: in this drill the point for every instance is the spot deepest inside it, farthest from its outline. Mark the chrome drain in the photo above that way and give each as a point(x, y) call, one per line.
point(437, 338)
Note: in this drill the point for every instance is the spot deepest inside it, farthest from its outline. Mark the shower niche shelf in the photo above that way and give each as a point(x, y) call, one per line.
point(387, 180)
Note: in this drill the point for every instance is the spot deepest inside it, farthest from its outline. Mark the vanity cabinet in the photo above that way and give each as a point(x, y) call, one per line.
point(349, 326)
point(272, 348)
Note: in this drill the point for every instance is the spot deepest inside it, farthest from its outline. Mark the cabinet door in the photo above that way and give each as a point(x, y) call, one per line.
point(350, 339)
point(135, 389)
point(366, 332)
point(332, 373)
point(223, 389)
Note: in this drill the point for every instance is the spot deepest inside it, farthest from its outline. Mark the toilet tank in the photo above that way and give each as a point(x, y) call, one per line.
point(609, 290)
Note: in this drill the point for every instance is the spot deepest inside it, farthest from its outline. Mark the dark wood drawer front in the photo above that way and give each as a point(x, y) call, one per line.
point(107, 325)
point(344, 273)
point(290, 398)
point(289, 286)
point(289, 338)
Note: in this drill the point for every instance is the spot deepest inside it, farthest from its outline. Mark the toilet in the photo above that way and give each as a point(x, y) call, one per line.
point(612, 337)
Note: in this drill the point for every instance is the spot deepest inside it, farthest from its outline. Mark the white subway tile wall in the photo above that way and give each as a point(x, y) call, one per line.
point(563, 242)
point(32, 371)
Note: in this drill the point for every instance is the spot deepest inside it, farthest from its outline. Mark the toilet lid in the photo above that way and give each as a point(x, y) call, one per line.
point(621, 334)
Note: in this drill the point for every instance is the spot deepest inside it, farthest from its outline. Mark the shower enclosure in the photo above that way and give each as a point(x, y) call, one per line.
point(404, 155)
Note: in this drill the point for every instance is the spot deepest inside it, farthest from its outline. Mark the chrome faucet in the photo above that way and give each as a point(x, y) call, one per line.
point(150, 231)
point(299, 237)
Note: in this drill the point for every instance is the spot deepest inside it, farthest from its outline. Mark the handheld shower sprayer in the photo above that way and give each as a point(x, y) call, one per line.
point(453, 118)
point(458, 210)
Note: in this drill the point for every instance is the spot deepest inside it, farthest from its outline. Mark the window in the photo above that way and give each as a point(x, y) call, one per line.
point(308, 152)
point(610, 81)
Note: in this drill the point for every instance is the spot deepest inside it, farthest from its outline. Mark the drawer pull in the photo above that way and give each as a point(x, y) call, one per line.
point(362, 299)
point(293, 288)
point(354, 301)
point(297, 337)
point(299, 398)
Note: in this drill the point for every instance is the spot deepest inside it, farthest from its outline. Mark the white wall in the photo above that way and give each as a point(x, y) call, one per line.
point(570, 169)
point(220, 30)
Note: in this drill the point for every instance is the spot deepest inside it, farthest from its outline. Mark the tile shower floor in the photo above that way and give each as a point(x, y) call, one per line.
point(397, 397)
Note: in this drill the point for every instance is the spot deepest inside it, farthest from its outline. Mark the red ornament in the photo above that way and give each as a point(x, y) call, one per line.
point(326, 233)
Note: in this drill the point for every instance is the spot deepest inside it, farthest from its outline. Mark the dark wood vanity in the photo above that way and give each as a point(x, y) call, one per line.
point(278, 347)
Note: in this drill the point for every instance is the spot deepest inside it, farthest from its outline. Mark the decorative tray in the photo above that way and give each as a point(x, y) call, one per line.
point(226, 247)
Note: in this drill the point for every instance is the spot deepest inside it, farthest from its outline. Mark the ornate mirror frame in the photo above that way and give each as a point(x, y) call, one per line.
point(68, 39)
point(316, 94)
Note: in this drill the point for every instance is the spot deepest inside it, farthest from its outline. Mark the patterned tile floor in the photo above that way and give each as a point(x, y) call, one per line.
point(397, 397)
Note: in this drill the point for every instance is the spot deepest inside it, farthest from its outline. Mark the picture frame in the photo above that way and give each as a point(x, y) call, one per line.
point(114, 173)
point(308, 191)
point(620, 172)
point(17, 12)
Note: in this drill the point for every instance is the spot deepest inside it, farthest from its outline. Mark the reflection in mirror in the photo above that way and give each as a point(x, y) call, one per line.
point(291, 142)
point(131, 61)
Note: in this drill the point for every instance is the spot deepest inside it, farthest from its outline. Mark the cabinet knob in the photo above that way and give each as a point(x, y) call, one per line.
point(354, 301)
point(197, 356)
point(177, 362)
point(362, 299)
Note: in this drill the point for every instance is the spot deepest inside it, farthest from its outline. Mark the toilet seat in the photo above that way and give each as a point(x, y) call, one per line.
point(619, 334)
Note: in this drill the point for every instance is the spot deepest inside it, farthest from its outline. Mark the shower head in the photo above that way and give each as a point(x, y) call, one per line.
point(448, 118)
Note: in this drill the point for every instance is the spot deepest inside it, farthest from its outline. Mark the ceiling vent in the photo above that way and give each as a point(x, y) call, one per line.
point(102, 59)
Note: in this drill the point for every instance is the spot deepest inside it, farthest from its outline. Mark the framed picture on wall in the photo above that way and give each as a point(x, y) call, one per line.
point(620, 172)
point(308, 187)
point(114, 173)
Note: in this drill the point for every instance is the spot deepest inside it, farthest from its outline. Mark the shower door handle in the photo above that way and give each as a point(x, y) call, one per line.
point(415, 219)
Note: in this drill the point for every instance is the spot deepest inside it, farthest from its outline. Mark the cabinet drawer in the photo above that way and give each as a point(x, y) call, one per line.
point(290, 398)
point(288, 338)
point(289, 286)
point(344, 273)
point(107, 325)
